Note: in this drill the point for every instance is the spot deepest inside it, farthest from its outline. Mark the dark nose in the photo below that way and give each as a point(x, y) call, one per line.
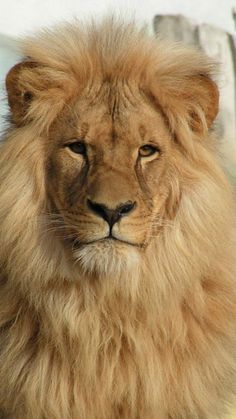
point(111, 215)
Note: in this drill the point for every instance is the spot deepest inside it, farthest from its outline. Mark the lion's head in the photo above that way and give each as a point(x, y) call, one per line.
point(107, 163)
point(110, 127)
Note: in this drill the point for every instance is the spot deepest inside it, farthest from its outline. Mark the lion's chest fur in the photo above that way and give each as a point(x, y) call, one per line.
point(104, 360)
point(110, 358)
point(97, 363)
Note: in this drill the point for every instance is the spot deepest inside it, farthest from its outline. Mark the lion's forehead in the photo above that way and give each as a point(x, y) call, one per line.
point(100, 123)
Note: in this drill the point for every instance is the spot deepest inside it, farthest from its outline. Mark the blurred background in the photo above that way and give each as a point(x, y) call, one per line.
point(209, 24)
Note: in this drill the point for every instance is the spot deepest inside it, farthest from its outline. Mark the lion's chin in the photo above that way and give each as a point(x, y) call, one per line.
point(108, 258)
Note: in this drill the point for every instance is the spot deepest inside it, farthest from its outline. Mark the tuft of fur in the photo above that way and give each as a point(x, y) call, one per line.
point(123, 334)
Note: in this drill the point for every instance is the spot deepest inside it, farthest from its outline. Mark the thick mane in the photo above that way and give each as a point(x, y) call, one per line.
point(112, 49)
point(58, 330)
point(70, 63)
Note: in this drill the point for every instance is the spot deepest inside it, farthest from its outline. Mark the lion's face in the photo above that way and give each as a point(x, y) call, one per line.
point(106, 174)
point(120, 120)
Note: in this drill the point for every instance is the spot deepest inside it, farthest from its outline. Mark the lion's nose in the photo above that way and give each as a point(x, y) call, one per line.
point(108, 214)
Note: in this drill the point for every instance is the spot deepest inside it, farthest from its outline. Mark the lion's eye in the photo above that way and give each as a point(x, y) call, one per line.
point(77, 147)
point(148, 150)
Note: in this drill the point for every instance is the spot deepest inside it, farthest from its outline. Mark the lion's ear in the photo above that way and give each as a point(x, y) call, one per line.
point(188, 101)
point(37, 93)
point(19, 85)
point(202, 101)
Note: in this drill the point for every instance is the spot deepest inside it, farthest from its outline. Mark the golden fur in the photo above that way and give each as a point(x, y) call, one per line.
point(142, 327)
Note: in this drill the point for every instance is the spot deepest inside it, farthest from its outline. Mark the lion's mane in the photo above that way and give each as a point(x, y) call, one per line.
point(159, 342)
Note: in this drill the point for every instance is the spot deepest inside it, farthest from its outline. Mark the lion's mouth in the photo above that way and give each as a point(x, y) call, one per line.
point(78, 244)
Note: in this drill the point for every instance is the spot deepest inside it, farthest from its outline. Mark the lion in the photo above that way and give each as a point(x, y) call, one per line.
point(117, 231)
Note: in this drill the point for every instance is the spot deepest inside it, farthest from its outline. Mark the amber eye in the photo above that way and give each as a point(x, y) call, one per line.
point(77, 147)
point(148, 150)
